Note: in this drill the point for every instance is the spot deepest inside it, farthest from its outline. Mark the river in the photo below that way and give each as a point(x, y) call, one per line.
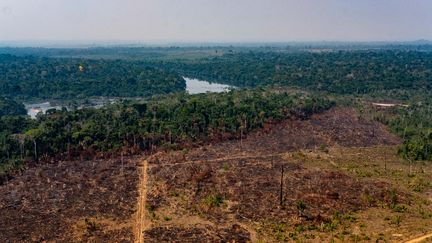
point(196, 86)
point(193, 86)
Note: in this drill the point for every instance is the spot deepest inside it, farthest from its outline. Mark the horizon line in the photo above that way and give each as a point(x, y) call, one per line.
point(153, 43)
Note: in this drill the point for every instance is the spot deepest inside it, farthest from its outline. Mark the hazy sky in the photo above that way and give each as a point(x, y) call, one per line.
point(216, 20)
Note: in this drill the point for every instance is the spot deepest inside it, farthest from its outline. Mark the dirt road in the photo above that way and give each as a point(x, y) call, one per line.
point(420, 239)
point(141, 222)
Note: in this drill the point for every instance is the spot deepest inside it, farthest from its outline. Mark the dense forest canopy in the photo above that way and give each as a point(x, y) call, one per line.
point(340, 72)
point(414, 125)
point(170, 121)
point(364, 71)
point(50, 78)
point(11, 107)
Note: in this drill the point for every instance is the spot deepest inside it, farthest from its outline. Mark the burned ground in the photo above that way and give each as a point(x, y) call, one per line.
point(198, 233)
point(239, 182)
point(245, 191)
point(76, 201)
point(338, 126)
point(333, 182)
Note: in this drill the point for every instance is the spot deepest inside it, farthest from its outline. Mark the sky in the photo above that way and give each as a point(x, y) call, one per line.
point(215, 20)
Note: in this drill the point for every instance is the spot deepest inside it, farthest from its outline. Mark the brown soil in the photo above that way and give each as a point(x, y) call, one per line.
point(246, 175)
point(224, 192)
point(339, 126)
point(197, 234)
point(77, 201)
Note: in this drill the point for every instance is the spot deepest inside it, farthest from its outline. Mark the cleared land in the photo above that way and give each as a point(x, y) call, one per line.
point(74, 201)
point(342, 180)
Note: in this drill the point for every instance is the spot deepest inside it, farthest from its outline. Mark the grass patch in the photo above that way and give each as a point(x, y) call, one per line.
point(214, 200)
point(7, 167)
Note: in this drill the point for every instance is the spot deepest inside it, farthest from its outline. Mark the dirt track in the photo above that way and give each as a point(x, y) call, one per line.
point(420, 239)
point(142, 222)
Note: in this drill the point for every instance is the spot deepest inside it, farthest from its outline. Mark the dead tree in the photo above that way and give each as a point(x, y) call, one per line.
point(281, 186)
point(35, 149)
point(121, 170)
point(21, 138)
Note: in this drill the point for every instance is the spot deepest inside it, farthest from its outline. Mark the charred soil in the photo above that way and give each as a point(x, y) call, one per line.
point(287, 181)
point(74, 201)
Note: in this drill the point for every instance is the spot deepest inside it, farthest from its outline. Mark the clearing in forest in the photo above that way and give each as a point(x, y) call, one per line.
point(341, 180)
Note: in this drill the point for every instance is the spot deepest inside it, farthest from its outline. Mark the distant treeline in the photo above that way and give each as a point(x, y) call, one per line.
point(179, 52)
point(156, 71)
point(67, 78)
point(340, 72)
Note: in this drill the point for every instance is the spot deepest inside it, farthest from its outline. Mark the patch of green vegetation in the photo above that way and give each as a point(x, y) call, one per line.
point(185, 151)
point(279, 231)
point(226, 167)
point(169, 146)
point(350, 218)
point(9, 165)
point(338, 220)
point(363, 173)
point(397, 220)
point(301, 206)
point(418, 184)
point(400, 208)
point(425, 214)
point(153, 215)
point(393, 198)
point(151, 211)
point(330, 226)
point(309, 236)
point(300, 228)
point(214, 200)
point(414, 125)
point(293, 235)
point(324, 148)
point(365, 196)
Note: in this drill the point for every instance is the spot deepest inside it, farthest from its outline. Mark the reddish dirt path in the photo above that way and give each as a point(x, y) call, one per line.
point(141, 222)
point(420, 239)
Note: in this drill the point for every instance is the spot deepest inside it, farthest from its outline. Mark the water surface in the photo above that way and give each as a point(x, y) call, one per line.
point(34, 108)
point(193, 86)
point(196, 86)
